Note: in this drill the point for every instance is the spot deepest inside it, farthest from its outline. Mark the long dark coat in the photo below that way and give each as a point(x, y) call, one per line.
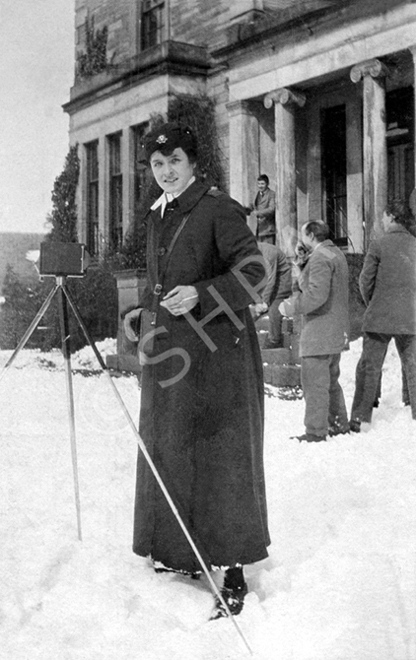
point(201, 414)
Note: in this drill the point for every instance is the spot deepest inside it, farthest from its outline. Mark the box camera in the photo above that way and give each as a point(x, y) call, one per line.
point(64, 259)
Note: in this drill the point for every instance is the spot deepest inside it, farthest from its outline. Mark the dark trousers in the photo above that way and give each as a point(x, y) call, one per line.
point(275, 322)
point(324, 398)
point(368, 371)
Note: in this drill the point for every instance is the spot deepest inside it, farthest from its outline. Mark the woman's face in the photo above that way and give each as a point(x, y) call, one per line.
point(172, 172)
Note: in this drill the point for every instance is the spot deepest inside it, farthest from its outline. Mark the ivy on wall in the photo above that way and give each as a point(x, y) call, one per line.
point(94, 59)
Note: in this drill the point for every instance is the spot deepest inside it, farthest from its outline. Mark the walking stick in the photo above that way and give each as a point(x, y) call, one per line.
point(65, 295)
point(152, 466)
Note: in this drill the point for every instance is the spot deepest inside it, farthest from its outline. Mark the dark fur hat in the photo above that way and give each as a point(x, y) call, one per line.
point(168, 137)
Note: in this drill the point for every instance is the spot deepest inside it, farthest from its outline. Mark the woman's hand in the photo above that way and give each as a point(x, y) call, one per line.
point(127, 323)
point(181, 299)
point(258, 310)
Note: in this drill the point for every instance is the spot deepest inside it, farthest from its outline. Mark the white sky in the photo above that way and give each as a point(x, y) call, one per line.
point(36, 73)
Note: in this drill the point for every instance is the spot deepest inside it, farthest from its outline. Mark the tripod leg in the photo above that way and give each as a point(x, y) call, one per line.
point(30, 330)
point(152, 466)
point(63, 317)
point(84, 329)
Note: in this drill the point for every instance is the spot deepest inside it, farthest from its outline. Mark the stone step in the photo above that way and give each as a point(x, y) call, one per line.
point(276, 356)
point(282, 375)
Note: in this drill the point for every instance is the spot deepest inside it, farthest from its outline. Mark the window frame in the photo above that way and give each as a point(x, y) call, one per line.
point(152, 23)
point(115, 191)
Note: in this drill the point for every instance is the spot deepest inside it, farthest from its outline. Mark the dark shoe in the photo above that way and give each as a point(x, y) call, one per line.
point(355, 425)
point(337, 429)
point(233, 592)
point(310, 437)
point(235, 600)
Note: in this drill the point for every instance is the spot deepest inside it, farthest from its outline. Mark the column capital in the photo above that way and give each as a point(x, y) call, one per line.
point(284, 96)
point(238, 108)
point(374, 68)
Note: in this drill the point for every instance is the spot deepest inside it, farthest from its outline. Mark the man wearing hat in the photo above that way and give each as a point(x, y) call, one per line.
point(201, 414)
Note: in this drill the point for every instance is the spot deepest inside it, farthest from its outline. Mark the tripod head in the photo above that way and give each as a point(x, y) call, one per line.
point(63, 259)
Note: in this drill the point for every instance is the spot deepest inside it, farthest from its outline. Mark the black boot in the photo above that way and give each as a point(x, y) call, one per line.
point(233, 592)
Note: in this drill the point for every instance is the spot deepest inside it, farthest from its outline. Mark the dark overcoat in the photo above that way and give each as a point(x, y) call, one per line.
point(388, 283)
point(201, 414)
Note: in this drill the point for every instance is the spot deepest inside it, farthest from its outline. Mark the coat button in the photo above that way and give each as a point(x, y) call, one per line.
point(161, 251)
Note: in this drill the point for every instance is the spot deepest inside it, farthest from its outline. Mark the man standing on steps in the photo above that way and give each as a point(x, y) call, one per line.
point(322, 302)
point(263, 209)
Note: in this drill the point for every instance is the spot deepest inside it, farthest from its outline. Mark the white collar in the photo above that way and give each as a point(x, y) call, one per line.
point(168, 197)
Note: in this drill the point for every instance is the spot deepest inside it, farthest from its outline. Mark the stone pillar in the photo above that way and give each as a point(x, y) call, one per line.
point(285, 102)
point(244, 152)
point(354, 176)
point(373, 73)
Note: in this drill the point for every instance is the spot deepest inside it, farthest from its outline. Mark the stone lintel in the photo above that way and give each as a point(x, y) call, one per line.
point(284, 96)
point(374, 68)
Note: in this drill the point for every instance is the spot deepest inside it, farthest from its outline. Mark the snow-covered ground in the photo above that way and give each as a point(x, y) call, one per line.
point(340, 582)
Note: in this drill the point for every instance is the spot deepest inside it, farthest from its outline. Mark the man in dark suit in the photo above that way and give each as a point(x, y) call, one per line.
point(322, 302)
point(388, 287)
point(278, 287)
point(263, 212)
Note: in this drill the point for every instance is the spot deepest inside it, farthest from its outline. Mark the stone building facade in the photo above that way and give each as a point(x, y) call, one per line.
point(317, 94)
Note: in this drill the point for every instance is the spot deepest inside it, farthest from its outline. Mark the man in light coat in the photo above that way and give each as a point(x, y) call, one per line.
point(388, 287)
point(322, 302)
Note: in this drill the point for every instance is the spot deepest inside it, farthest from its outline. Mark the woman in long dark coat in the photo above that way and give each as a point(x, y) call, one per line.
point(201, 414)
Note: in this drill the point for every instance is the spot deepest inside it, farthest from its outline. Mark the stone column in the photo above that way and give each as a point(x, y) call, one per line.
point(285, 102)
point(373, 73)
point(244, 152)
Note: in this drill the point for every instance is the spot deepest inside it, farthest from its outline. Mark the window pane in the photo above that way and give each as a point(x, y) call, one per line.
point(115, 193)
point(92, 197)
point(152, 24)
